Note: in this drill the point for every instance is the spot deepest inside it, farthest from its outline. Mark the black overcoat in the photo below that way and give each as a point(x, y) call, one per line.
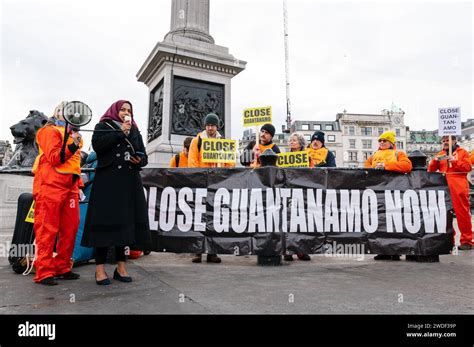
point(117, 212)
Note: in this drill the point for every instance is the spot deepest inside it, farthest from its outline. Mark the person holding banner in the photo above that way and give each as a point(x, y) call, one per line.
point(387, 157)
point(320, 155)
point(117, 215)
point(181, 159)
point(297, 143)
point(456, 167)
point(211, 122)
point(267, 131)
point(56, 192)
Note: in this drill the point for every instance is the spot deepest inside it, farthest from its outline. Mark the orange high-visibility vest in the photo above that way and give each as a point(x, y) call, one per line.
point(70, 166)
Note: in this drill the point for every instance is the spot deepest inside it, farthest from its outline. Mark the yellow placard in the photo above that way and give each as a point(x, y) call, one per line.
point(257, 116)
point(293, 159)
point(218, 151)
point(30, 216)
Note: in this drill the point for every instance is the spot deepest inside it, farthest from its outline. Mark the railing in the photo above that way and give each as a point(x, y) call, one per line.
point(27, 171)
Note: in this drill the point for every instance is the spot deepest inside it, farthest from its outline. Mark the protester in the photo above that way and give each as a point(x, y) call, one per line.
point(387, 157)
point(256, 156)
point(117, 213)
point(320, 155)
point(56, 193)
point(297, 143)
point(181, 159)
point(211, 122)
point(456, 167)
point(267, 132)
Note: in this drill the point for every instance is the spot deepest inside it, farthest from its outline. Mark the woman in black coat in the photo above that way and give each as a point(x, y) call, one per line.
point(117, 213)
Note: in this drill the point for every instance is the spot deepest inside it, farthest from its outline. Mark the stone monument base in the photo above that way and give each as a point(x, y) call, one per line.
point(11, 187)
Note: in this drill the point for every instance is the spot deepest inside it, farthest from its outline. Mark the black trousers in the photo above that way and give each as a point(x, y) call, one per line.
point(101, 254)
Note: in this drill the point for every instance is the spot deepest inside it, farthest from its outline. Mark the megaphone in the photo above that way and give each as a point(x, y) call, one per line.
point(77, 113)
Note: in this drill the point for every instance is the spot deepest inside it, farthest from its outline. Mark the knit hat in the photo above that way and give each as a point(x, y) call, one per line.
point(318, 135)
point(389, 136)
point(211, 119)
point(268, 127)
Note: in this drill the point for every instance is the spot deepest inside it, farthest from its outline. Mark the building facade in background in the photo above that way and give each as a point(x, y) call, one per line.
point(353, 137)
point(427, 142)
point(332, 131)
point(467, 139)
point(360, 133)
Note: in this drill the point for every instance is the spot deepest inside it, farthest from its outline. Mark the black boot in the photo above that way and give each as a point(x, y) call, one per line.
point(49, 281)
point(197, 258)
point(386, 257)
point(213, 258)
point(69, 276)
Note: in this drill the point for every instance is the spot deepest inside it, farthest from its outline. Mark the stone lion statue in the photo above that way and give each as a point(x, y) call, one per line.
point(24, 133)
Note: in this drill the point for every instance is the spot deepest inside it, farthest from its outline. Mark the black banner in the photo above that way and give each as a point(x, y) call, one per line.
point(271, 210)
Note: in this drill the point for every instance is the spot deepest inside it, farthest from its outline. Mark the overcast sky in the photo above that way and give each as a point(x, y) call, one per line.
point(358, 56)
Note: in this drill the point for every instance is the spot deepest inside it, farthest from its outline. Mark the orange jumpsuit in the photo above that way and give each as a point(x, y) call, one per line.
point(56, 193)
point(393, 160)
point(456, 176)
point(183, 160)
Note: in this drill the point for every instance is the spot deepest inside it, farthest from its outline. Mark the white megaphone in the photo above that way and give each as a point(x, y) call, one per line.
point(77, 113)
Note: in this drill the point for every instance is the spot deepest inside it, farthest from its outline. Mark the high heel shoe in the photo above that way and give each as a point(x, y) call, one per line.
point(120, 278)
point(104, 282)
